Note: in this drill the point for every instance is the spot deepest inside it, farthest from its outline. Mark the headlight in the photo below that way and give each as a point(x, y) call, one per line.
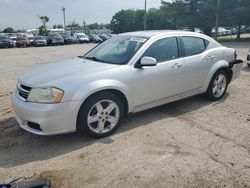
point(45, 95)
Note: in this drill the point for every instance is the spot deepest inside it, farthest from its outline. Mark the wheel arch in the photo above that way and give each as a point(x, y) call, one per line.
point(116, 92)
point(220, 65)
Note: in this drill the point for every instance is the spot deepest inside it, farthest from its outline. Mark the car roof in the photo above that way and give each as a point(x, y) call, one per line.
point(151, 33)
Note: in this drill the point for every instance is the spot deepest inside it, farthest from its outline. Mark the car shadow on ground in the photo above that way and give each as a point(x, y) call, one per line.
point(18, 147)
point(246, 69)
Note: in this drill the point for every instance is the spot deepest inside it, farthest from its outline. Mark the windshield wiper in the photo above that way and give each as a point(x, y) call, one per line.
point(94, 59)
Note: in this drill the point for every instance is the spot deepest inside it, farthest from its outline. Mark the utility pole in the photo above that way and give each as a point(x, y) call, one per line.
point(145, 16)
point(193, 4)
point(63, 9)
point(217, 21)
point(84, 26)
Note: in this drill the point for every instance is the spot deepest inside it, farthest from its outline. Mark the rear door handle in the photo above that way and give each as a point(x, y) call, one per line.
point(177, 65)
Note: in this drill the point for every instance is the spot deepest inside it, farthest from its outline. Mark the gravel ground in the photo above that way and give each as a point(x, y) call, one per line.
point(190, 143)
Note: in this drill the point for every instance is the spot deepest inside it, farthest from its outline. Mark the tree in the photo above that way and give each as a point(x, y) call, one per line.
point(59, 26)
point(43, 31)
point(93, 26)
point(73, 24)
point(44, 20)
point(8, 30)
point(132, 20)
point(43, 28)
point(238, 12)
point(159, 19)
point(195, 14)
point(123, 21)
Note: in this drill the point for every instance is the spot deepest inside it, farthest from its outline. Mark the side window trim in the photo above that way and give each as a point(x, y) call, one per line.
point(180, 47)
point(183, 48)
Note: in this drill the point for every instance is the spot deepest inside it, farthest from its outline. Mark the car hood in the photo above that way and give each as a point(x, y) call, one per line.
point(54, 73)
point(5, 40)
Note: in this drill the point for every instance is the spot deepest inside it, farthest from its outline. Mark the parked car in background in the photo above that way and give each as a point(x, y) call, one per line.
point(30, 38)
point(222, 31)
point(22, 41)
point(81, 37)
point(76, 41)
point(5, 42)
point(55, 39)
point(11, 36)
point(68, 39)
point(104, 37)
point(40, 41)
point(128, 73)
point(95, 38)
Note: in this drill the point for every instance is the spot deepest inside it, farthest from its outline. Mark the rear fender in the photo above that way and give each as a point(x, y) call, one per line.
point(218, 65)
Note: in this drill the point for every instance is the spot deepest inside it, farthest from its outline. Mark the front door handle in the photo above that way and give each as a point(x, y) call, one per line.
point(210, 57)
point(177, 65)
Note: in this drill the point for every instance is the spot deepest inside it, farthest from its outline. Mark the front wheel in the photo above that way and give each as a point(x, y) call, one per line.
point(218, 86)
point(100, 115)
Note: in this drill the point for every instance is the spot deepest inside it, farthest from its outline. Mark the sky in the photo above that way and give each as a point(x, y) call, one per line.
point(23, 14)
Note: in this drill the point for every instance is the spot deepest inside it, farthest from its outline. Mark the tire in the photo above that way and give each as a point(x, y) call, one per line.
point(218, 86)
point(100, 126)
point(248, 65)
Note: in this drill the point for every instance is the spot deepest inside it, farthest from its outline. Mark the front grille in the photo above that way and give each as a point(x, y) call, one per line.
point(23, 91)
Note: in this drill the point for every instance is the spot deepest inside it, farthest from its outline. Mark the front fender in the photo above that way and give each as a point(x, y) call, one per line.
point(218, 65)
point(95, 86)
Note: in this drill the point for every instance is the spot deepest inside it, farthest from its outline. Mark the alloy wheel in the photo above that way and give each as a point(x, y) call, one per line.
point(103, 116)
point(219, 85)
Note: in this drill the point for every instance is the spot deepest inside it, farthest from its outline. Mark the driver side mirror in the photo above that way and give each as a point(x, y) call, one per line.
point(147, 62)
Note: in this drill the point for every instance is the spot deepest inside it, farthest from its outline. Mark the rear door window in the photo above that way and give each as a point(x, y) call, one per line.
point(193, 45)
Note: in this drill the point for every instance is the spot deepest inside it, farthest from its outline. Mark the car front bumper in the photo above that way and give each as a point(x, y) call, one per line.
point(58, 42)
point(40, 43)
point(52, 118)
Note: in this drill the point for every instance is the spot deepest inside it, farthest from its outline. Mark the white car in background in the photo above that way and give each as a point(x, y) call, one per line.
point(82, 37)
point(128, 73)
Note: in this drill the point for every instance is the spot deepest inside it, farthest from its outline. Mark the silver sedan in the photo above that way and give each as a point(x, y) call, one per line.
point(128, 73)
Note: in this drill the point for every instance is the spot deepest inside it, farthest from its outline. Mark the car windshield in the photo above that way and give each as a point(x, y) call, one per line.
point(95, 36)
point(54, 35)
point(3, 37)
point(22, 38)
point(39, 38)
point(81, 36)
point(117, 50)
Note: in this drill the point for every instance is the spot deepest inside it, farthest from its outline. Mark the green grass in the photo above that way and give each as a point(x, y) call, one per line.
point(233, 40)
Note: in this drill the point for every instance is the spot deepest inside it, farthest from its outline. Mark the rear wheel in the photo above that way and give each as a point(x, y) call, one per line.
point(218, 86)
point(100, 115)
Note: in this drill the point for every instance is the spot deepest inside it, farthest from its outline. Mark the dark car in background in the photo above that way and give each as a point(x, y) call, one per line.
point(68, 39)
point(104, 37)
point(5, 42)
point(39, 41)
point(55, 39)
point(22, 41)
point(95, 38)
